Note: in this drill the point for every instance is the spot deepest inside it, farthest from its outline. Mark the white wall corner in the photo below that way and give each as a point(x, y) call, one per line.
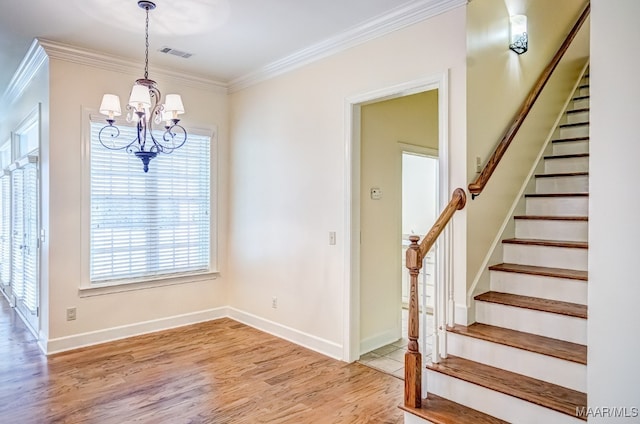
point(320, 345)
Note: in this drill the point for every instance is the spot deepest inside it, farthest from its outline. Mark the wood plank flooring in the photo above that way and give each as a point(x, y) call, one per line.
point(220, 372)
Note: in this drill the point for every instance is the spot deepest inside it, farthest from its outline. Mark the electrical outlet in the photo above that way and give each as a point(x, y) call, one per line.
point(71, 314)
point(332, 238)
point(478, 164)
point(274, 302)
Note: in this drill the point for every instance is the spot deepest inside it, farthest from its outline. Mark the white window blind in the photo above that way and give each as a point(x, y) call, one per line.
point(149, 224)
point(5, 229)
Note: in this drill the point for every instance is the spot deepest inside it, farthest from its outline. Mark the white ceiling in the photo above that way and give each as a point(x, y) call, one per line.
point(229, 39)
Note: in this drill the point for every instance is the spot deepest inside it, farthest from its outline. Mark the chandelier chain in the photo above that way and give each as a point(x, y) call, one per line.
point(146, 45)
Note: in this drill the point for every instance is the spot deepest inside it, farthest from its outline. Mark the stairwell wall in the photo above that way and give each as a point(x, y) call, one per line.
point(498, 81)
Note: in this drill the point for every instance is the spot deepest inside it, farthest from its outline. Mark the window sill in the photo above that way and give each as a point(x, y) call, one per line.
point(120, 287)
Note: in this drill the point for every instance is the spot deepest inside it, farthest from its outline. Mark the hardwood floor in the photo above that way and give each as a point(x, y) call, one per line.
point(216, 372)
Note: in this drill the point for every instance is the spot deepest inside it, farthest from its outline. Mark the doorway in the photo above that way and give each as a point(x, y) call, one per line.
point(359, 336)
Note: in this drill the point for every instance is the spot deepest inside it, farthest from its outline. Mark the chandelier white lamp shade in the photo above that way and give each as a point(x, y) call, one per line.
point(146, 109)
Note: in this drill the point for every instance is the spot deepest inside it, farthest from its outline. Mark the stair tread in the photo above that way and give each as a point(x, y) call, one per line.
point(552, 217)
point(584, 194)
point(574, 124)
point(551, 243)
point(542, 271)
point(583, 109)
point(439, 410)
point(530, 342)
point(569, 156)
point(569, 139)
point(563, 174)
point(580, 97)
point(535, 303)
point(538, 392)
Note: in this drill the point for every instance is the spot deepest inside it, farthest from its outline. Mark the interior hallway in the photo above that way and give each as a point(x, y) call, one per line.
point(214, 372)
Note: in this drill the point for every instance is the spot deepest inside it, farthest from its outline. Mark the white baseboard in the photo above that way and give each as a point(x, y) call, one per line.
point(326, 347)
point(61, 344)
point(76, 341)
point(379, 340)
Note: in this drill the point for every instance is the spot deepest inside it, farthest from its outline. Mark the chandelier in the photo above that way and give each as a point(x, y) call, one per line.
point(145, 114)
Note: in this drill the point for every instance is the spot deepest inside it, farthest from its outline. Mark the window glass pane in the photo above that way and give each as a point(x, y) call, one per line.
point(28, 139)
point(149, 224)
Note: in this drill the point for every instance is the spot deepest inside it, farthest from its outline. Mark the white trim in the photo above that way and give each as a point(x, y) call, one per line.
point(396, 19)
point(81, 56)
point(323, 346)
point(28, 68)
point(61, 344)
point(351, 330)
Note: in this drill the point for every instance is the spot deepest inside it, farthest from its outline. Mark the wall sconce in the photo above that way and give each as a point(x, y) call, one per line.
point(518, 34)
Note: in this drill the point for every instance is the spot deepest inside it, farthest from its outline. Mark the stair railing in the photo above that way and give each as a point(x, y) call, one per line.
point(417, 251)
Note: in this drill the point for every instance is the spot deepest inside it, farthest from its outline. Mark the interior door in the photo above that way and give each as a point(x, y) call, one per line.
point(25, 248)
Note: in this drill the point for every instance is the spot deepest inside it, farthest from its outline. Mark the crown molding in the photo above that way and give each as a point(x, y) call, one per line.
point(81, 56)
point(398, 18)
point(28, 68)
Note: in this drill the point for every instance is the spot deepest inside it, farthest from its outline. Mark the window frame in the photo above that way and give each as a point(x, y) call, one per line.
point(88, 288)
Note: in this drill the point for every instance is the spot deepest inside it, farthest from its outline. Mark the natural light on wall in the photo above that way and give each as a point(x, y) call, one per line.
point(518, 40)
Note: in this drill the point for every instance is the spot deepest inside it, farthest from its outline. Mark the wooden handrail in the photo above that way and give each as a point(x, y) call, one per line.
point(476, 187)
point(415, 253)
point(457, 202)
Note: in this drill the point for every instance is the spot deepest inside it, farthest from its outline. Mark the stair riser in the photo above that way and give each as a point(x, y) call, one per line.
point(582, 91)
point(548, 256)
point(552, 230)
point(580, 104)
point(570, 147)
point(542, 367)
point(573, 184)
point(570, 132)
point(546, 324)
point(573, 118)
point(498, 404)
point(552, 288)
point(553, 166)
point(558, 206)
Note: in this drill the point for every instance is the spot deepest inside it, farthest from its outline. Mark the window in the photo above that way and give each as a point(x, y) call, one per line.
point(149, 225)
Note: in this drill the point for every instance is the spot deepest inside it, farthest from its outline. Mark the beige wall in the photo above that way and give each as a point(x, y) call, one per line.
point(498, 80)
point(75, 87)
point(414, 120)
point(289, 178)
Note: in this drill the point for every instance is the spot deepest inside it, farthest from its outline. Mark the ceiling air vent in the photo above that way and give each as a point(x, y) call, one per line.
point(169, 50)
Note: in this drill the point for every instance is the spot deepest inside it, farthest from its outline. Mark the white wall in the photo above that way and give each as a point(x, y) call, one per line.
point(614, 230)
point(288, 179)
point(74, 87)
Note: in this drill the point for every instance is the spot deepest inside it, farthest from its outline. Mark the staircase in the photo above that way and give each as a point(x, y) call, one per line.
point(525, 359)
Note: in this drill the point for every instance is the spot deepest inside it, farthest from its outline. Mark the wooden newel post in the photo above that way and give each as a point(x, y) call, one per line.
point(413, 358)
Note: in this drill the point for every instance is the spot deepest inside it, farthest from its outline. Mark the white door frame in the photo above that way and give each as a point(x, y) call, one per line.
point(351, 331)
